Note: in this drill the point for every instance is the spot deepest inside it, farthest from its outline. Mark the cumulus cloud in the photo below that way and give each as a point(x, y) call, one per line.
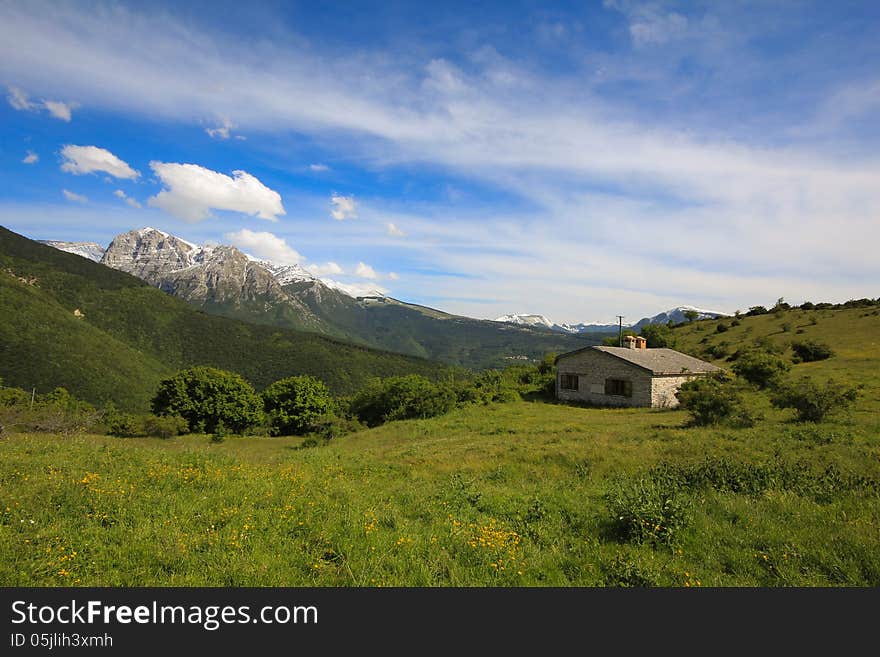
point(327, 269)
point(31, 158)
point(80, 160)
point(125, 197)
point(343, 207)
point(393, 276)
point(364, 270)
point(393, 230)
point(71, 196)
point(265, 245)
point(319, 167)
point(193, 191)
point(58, 109)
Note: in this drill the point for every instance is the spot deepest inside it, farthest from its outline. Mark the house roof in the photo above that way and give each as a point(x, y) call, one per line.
point(656, 361)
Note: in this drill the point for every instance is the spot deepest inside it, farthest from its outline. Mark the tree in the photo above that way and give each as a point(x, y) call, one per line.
point(207, 398)
point(813, 402)
point(400, 398)
point(760, 367)
point(691, 315)
point(295, 403)
point(658, 335)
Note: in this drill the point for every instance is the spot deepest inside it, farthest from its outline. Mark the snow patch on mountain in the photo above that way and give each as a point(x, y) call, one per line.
point(674, 315)
point(89, 250)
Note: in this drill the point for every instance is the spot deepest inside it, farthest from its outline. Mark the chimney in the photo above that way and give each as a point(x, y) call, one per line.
point(641, 343)
point(630, 341)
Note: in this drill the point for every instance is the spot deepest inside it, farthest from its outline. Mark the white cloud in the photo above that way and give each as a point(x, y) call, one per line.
point(365, 271)
point(58, 109)
point(20, 101)
point(80, 160)
point(264, 245)
point(71, 196)
point(193, 191)
point(31, 158)
point(343, 207)
point(394, 231)
point(319, 168)
point(222, 131)
point(393, 276)
point(327, 269)
point(649, 24)
point(125, 197)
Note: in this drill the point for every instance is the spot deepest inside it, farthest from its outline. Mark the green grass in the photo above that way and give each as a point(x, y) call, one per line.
point(508, 494)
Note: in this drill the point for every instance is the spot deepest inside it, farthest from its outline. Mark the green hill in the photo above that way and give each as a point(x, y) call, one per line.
point(105, 335)
point(430, 333)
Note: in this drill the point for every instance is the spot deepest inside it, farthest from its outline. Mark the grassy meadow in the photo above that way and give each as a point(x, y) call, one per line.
point(524, 493)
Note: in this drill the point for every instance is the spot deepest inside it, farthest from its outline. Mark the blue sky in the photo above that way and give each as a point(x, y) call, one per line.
point(580, 160)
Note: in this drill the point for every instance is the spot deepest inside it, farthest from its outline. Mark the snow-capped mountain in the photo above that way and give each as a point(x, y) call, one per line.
point(89, 250)
point(528, 320)
point(675, 315)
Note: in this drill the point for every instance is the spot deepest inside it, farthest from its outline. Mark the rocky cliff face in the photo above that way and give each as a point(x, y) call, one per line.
point(219, 277)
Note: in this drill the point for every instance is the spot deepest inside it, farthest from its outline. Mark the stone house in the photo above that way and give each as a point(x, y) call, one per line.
point(626, 376)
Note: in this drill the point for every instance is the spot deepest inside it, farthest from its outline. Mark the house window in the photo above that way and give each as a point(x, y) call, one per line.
point(618, 387)
point(568, 381)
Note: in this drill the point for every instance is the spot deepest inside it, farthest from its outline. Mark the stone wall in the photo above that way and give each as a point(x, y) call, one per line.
point(592, 368)
point(663, 390)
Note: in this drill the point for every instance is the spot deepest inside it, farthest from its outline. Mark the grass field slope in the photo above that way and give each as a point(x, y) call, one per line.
point(106, 335)
point(522, 493)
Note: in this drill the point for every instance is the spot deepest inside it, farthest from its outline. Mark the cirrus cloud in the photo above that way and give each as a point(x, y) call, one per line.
point(193, 191)
point(80, 160)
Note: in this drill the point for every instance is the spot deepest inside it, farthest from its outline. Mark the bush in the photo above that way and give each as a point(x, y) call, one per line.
point(400, 398)
point(645, 510)
point(760, 367)
point(713, 400)
point(809, 351)
point(658, 336)
point(756, 310)
point(330, 426)
point(293, 404)
point(165, 427)
point(208, 398)
point(813, 402)
point(124, 425)
point(722, 327)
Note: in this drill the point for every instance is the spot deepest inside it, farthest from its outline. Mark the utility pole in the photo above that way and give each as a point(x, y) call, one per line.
point(620, 331)
point(33, 394)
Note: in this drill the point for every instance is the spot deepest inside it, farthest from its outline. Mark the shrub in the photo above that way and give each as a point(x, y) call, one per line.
point(760, 367)
point(645, 510)
point(400, 398)
point(813, 402)
point(756, 310)
point(809, 351)
point(722, 327)
point(165, 427)
point(624, 572)
point(330, 426)
point(658, 335)
point(125, 425)
point(293, 404)
point(208, 398)
point(712, 400)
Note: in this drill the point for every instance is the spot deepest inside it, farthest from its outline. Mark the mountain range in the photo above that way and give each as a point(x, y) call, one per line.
point(674, 315)
point(222, 280)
